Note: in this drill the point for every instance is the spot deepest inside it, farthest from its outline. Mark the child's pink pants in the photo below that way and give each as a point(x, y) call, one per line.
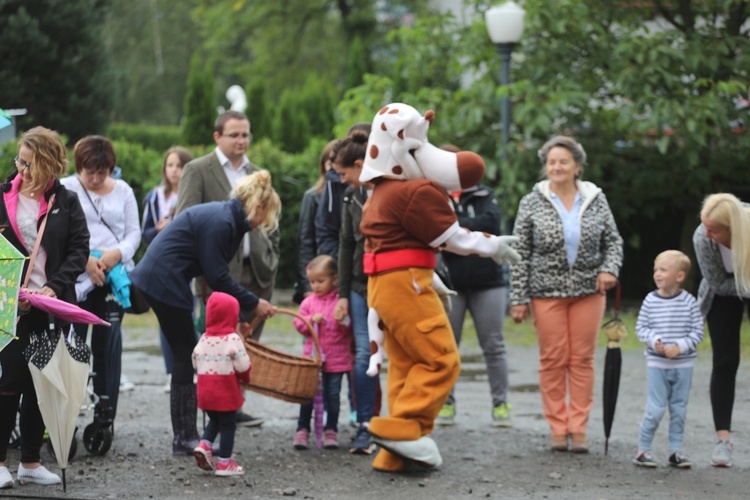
point(566, 330)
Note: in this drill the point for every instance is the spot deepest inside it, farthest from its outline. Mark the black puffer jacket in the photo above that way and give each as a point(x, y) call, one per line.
point(352, 244)
point(65, 239)
point(477, 210)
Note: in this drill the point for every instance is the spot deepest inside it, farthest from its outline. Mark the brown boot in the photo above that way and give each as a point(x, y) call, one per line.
point(558, 443)
point(578, 443)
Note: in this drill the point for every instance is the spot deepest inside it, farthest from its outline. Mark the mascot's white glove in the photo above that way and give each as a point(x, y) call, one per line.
point(505, 253)
point(461, 241)
point(443, 291)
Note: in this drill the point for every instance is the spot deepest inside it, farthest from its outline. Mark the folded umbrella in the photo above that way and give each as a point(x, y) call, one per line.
point(59, 368)
point(615, 331)
point(61, 309)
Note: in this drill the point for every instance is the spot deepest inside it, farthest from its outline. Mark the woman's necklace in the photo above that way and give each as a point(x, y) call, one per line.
point(27, 193)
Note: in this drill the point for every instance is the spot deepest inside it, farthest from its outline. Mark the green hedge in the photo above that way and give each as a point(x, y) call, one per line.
point(157, 137)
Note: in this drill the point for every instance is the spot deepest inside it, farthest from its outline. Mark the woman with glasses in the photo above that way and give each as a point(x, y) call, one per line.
point(112, 215)
point(34, 203)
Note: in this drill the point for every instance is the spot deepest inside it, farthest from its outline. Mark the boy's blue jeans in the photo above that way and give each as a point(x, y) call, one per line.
point(666, 386)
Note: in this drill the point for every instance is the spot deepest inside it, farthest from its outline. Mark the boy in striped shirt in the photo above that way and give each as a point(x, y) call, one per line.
point(671, 326)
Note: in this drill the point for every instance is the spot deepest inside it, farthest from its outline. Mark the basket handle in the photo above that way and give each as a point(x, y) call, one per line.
point(310, 328)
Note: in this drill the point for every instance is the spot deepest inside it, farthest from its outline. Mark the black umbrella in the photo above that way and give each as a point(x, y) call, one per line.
point(615, 331)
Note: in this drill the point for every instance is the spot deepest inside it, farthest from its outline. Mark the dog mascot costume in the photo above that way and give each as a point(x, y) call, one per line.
point(407, 219)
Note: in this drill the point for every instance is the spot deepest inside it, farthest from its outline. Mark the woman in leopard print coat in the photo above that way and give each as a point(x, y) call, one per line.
point(571, 255)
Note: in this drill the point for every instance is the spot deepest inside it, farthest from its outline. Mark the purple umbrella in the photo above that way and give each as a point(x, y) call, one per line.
point(318, 407)
point(61, 309)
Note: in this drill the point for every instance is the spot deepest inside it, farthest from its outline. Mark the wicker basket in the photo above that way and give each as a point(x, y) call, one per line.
point(281, 375)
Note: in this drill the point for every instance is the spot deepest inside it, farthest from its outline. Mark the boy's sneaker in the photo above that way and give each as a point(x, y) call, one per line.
point(362, 444)
point(301, 439)
point(330, 439)
point(446, 415)
point(228, 468)
point(645, 459)
point(722, 455)
point(204, 455)
point(679, 460)
point(501, 416)
point(6, 479)
point(40, 475)
point(245, 420)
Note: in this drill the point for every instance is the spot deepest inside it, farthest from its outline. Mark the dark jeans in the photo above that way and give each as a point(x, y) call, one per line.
point(365, 387)
point(106, 343)
point(724, 320)
point(224, 422)
point(331, 401)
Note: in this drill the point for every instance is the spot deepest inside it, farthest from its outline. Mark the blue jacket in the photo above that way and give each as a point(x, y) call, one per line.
point(200, 241)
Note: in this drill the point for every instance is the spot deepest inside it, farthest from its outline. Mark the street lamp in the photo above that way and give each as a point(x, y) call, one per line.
point(505, 27)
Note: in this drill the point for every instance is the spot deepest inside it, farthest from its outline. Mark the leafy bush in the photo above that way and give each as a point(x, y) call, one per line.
point(157, 137)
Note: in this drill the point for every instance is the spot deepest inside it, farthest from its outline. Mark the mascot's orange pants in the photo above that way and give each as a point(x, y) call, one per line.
point(423, 359)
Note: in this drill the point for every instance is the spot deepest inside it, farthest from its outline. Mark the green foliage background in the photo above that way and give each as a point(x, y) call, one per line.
point(655, 91)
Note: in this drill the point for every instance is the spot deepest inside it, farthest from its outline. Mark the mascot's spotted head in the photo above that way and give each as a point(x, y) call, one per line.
point(398, 149)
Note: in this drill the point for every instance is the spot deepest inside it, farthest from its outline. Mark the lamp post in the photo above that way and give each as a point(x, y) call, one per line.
point(505, 27)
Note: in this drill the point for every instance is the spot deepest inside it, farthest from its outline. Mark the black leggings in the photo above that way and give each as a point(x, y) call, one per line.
point(724, 321)
point(30, 424)
point(179, 330)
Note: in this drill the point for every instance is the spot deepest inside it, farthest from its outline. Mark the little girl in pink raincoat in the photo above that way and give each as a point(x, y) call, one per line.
point(335, 344)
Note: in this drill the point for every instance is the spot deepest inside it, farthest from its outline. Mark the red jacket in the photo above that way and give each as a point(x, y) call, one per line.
point(220, 357)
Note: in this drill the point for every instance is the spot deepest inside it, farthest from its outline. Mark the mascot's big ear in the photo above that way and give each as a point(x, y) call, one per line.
point(397, 129)
point(398, 148)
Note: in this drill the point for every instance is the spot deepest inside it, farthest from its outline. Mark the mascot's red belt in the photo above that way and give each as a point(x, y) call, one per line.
point(377, 263)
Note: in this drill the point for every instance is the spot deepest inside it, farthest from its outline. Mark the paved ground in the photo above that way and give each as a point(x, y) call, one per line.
point(479, 461)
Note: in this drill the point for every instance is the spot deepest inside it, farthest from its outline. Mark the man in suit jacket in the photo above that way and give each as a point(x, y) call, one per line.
point(211, 178)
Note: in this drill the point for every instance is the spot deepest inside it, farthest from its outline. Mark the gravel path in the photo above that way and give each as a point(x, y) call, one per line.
point(479, 461)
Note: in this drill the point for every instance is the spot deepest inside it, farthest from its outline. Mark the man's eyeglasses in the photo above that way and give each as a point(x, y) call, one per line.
point(20, 164)
point(237, 135)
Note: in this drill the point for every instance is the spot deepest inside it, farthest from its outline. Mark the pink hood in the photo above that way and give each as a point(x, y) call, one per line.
point(222, 314)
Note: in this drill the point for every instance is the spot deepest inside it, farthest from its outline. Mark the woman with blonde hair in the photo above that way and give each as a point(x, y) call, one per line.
point(39, 217)
point(202, 241)
point(722, 249)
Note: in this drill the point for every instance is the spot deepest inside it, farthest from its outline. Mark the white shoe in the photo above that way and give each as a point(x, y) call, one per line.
point(40, 475)
point(6, 479)
point(423, 451)
point(168, 385)
point(125, 384)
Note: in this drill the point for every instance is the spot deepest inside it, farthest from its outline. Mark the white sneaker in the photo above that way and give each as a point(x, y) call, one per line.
point(40, 475)
point(423, 451)
point(6, 479)
point(168, 385)
point(125, 384)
